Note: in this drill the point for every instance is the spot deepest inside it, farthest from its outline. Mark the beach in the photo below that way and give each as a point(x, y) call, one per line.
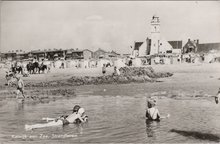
point(203, 78)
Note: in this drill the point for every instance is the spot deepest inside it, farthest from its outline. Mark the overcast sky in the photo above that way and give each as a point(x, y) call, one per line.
point(110, 25)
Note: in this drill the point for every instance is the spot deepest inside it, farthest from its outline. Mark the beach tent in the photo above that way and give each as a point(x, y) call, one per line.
point(48, 63)
point(167, 60)
point(68, 64)
point(119, 63)
point(92, 63)
point(57, 63)
point(101, 62)
point(84, 64)
point(137, 62)
point(209, 58)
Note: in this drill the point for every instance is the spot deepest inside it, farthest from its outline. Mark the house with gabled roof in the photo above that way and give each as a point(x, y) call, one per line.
point(190, 47)
point(177, 46)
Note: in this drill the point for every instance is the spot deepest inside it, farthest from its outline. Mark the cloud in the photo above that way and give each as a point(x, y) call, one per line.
point(94, 18)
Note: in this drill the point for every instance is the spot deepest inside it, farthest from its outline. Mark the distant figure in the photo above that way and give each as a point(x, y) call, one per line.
point(116, 71)
point(130, 62)
point(104, 69)
point(9, 76)
point(217, 97)
point(20, 86)
point(62, 65)
point(152, 112)
point(78, 116)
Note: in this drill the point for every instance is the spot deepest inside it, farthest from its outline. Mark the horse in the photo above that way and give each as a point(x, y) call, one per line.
point(19, 69)
point(30, 68)
point(42, 68)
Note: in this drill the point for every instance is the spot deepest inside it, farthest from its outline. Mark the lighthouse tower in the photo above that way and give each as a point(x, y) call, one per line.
point(155, 35)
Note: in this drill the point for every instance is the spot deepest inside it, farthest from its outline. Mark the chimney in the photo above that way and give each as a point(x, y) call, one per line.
point(189, 40)
point(197, 41)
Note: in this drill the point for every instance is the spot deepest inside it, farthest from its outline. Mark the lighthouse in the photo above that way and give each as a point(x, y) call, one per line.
point(155, 35)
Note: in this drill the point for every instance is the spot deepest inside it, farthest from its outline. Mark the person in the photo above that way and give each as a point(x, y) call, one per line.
point(130, 62)
point(217, 97)
point(20, 86)
point(152, 112)
point(9, 76)
point(116, 71)
point(78, 116)
point(103, 69)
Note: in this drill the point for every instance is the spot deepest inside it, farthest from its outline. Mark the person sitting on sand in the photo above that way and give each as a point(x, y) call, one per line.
point(152, 112)
point(116, 71)
point(77, 116)
point(20, 86)
point(217, 97)
point(104, 69)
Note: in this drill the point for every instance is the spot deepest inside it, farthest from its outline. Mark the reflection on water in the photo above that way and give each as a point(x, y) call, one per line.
point(115, 118)
point(198, 135)
point(151, 127)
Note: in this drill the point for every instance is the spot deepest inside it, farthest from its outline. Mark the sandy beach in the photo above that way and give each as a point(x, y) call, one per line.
point(203, 78)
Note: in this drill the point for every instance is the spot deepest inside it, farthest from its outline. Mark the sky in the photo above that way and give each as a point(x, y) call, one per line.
point(109, 25)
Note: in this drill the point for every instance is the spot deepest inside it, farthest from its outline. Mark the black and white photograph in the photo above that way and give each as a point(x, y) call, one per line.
point(109, 72)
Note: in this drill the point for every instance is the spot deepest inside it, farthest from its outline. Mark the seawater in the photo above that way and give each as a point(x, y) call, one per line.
point(116, 115)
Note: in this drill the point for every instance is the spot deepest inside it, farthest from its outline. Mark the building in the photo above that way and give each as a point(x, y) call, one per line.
point(158, 43)
point(114, 54)
point(9, 56)
point(82, 54)
point(22, 55)
point(155, 44)
point(100, 53)
point(177, 46)
point(38, 54)
point(137, 51)
point(155, 35)
point(78, 54)
point(190, 47)
point(87, 54)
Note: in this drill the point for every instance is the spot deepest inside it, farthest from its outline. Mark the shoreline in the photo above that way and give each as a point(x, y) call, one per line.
point(197, 77)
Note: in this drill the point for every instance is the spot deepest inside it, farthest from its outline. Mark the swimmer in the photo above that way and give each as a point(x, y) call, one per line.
point(217, 97)
point(77, 116)
point(152, 112)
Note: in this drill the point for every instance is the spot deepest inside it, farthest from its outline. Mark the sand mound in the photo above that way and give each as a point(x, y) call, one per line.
point(128, 75)
point(143, 71)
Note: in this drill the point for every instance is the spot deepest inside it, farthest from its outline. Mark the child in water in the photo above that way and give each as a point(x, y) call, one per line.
point(217, 97)
point(152, 112)
point(20, 86)
point(77, 116)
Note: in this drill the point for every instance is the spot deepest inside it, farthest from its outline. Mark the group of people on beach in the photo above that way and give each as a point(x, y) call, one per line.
point(115, 73)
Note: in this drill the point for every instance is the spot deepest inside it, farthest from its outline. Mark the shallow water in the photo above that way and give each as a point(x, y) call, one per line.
point(116, 115)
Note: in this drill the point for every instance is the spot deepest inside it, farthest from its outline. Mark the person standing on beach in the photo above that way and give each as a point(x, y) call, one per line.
point(116, 71)
point(217, 97)
point(20, 86)
point(103, 69)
